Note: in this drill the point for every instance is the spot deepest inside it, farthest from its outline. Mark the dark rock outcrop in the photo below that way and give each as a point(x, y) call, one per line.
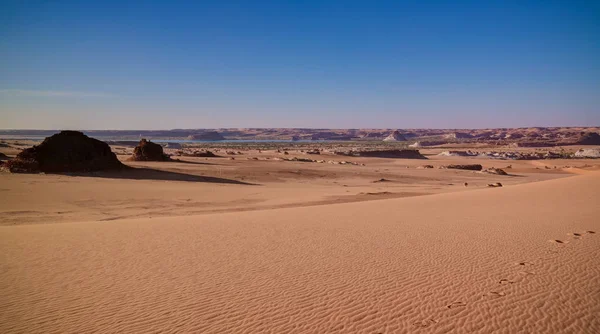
point(197, 154)
point(466, 167)
point(148, 151)
point(589, 138)
point(67, 151)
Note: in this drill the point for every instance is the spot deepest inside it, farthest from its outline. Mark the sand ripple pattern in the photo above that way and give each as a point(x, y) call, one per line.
point(476, 261)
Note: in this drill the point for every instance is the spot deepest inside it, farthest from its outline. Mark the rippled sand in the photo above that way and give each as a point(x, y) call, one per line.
point(514, 259)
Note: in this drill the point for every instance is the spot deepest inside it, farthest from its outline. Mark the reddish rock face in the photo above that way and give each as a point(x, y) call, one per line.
point(67, 151)
point(148, 151)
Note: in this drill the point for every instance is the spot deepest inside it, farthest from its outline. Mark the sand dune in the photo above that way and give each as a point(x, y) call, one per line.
point(513, 259)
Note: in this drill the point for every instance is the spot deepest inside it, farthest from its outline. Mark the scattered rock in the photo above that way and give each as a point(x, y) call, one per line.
point(302, 159)
point(399, 154)
point(315, 151)
point(3, 156)
point(148, 151)
point(495, 185)
point(425, 167)
point(496, 171)
point(458, 154)
point(67, 151)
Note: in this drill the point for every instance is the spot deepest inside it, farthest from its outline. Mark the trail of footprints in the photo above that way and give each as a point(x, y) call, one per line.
point(505, 281)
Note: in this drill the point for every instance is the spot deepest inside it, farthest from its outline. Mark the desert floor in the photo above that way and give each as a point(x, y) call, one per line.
point(213, 245)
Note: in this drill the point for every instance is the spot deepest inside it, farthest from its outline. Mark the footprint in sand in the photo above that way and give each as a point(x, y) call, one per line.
point(575, 235)
point(506, 281)
point(425, 323)
point(590, 232)
point(556, 241)
point(495, 294)
point(456, 304)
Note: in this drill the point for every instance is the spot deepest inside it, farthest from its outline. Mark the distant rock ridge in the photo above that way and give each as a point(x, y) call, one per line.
point(209, 135)
point(395, 136)
point(458, 135)
point(556, 136)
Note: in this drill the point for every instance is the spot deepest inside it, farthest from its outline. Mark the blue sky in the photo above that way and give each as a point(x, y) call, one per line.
point(338, 64)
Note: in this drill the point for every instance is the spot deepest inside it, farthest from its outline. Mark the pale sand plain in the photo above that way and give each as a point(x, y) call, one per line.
point(279, 254)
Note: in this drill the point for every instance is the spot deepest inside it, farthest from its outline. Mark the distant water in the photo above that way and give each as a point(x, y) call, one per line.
point(180, 141)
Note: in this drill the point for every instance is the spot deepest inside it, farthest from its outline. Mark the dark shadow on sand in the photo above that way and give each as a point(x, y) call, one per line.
point(142, 173)
point(195, 162)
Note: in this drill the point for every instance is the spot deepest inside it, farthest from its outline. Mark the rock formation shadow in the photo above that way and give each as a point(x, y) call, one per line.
point(143, 173)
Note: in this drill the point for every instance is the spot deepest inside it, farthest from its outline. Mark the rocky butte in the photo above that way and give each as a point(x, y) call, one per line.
point(67, 151)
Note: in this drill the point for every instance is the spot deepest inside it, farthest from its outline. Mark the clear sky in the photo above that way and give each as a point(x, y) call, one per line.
point(339, 64)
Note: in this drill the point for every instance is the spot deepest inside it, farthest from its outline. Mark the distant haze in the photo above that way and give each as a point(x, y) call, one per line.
point(312, 64)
